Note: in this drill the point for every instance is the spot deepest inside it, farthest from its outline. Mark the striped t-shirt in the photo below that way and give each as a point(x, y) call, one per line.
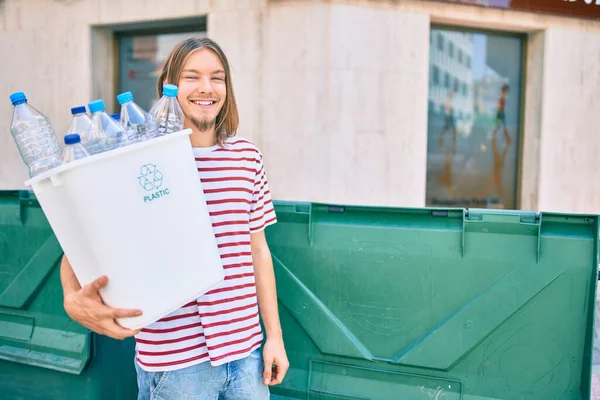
point(222, 325)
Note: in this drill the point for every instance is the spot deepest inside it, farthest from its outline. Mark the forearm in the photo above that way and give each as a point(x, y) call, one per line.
point(267, 293)
point(67, 277)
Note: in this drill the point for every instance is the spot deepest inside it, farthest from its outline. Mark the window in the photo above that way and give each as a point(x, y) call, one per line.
point(436, 76)
point(460, 56)
point(141, 58)
point(440, 42)
point(474, 129)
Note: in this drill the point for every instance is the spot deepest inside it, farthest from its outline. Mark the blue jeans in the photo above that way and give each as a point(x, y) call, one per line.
point(238, 380)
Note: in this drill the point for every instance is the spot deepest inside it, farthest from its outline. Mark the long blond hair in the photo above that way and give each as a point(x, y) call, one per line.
point(228, 119)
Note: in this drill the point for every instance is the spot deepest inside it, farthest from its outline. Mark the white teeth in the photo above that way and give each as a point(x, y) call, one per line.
point(203, 102)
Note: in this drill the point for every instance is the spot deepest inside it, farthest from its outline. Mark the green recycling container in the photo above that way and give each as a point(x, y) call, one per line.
point(43, 353)
point(375, 303)
point(389, 304)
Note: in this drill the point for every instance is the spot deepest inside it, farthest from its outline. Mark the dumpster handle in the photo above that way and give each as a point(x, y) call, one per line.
point(525, 218)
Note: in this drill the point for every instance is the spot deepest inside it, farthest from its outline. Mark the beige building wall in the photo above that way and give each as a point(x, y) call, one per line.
point(346, 111)
point(333, 92)
point(570, 144)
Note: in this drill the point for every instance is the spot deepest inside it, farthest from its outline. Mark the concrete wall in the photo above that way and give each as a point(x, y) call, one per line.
point(348, 104)
point(330, 90)
point(570, 143)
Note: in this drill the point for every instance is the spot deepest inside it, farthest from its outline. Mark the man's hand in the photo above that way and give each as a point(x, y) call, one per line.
point(276, 362)
point(85, 306)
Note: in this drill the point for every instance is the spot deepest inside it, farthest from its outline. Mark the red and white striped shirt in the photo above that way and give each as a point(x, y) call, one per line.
point(222, 325)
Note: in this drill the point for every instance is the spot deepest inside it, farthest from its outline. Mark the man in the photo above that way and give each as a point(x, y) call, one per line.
point(445, 178)
point(209, 348)
point(449, 122)
point(501, 115)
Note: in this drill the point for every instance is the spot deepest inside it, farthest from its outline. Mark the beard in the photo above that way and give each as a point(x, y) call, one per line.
point(203, 125)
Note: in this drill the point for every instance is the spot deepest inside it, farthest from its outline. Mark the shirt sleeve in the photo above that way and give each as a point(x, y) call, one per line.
point(262, 212)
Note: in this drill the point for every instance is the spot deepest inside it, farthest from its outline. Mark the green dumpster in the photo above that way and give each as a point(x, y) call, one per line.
point(375, 303)
point(43, 353)
point(387, 304)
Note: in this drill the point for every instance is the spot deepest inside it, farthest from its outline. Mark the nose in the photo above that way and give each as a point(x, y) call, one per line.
point(204, 85)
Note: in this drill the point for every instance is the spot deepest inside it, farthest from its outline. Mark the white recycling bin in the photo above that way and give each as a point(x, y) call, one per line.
point(136, 214)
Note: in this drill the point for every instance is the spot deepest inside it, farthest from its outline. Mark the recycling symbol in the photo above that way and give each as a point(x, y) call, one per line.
point(150, 177)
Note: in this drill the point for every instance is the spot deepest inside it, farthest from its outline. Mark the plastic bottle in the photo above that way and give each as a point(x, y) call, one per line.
point(80, 123)
point(73, 150)
point(34, 136)
point(167, 111)
point(106, 133)
point(138, 124)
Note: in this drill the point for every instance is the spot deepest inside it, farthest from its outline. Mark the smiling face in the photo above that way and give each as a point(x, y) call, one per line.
point(202, 88)
point(200, 69)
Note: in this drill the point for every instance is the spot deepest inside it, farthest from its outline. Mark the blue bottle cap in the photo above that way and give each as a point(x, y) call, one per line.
point(97, 105)
point(125, 97)
point(116, 117)
point(18, 98)
point(72, 138)
point(170, 90)
point(78, 110)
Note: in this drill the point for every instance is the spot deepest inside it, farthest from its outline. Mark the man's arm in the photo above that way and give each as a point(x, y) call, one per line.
point(68, 279)
point(84, 305)
point(274, 352)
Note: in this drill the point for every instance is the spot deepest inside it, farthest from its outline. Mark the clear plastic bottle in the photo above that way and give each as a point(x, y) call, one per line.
point(138, 124)
point(106, 133)
point(80, 123)
point(73, 150)
point(167, 111)
point(34, 136)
